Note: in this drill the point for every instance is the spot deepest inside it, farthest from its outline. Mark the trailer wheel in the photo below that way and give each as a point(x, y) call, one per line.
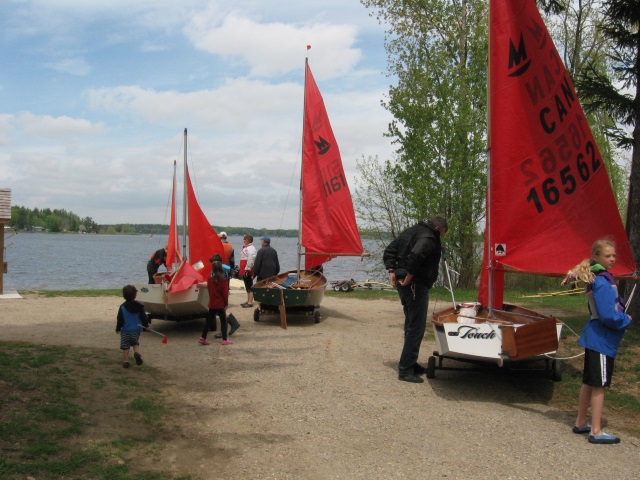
point(431, 367)
point(336, 287)
point(346, 287)
point(316, 316)
point(256, 315)
point(556, 371)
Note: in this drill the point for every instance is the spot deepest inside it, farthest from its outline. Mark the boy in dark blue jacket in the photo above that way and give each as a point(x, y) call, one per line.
point(132, 319)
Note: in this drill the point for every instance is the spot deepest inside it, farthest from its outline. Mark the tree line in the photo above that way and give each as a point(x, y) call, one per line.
point(60, 220)
point(56, 220)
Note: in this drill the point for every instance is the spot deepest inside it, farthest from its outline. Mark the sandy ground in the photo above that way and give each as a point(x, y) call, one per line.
point(322, 401)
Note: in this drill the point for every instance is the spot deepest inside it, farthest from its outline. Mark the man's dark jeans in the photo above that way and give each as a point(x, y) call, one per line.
point(415, 300)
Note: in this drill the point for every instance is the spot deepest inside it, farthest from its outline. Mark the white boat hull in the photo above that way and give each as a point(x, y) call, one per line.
point(184, 305)
point(513, 333)
point(483, 341)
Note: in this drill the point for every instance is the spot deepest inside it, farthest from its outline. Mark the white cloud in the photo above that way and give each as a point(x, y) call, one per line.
point(271, 49)
point(72, 66)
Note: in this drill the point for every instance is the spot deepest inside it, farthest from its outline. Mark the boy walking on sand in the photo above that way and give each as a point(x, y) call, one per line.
point(132, 319)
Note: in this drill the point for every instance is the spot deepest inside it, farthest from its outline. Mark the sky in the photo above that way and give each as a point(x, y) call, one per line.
point(95, 96)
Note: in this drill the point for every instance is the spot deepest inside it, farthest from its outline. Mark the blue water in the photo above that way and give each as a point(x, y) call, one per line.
point(69, 262)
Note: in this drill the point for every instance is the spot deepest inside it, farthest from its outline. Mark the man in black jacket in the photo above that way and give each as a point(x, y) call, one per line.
point(267, 264)
point(412, 260)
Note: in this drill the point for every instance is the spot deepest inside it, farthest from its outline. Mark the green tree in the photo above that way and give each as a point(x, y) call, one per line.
point(437, 50)
point(380, 209)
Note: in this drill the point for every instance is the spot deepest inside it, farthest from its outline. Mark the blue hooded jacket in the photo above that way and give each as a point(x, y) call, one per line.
point(604, 331)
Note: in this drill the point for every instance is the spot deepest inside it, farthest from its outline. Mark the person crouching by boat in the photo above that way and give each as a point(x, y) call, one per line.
point(600, 337)
point(267, 264)
point(159, 257)
point(231, 319)
point(218, 288)
point(247, 260)
point(412, 260)
point(131, 320)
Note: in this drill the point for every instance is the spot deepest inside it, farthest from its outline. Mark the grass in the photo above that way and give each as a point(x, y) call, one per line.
point(54, 398)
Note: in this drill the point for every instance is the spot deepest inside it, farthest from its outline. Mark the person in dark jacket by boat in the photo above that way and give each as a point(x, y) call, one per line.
point(413, 259)
point(158, 258)
point(267, 264)
point(132, 319)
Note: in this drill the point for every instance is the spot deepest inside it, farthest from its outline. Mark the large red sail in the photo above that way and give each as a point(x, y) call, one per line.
point(328, 220)
point(549, 195)
point(203, 239)
point(173, 242)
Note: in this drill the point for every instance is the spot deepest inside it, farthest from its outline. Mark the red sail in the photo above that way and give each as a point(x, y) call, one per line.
point(328, 220)
point(549, 195)
point(203, 239)
point(173, 242)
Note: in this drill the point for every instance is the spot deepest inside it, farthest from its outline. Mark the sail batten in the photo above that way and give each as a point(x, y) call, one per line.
point(327, 216)
point(550, 194)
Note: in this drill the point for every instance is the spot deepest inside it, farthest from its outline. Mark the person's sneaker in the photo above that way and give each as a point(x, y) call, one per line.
point(203, 341)
point(138, 358)
point(603, 438)
point(226, 342)
point(125, 364)
point(247, 305)
point(410, 377)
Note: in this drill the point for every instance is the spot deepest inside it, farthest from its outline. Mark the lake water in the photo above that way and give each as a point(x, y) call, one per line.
point(70, 261)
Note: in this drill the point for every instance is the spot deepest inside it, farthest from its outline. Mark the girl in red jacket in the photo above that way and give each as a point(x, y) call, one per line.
point(218, 287)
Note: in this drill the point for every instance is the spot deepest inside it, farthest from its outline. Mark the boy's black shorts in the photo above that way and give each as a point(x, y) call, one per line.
point(598, 369)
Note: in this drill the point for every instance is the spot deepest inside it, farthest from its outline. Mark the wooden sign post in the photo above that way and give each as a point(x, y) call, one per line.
point(5, 218)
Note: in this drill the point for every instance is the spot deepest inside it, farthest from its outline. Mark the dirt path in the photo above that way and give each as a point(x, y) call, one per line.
point(322, 401)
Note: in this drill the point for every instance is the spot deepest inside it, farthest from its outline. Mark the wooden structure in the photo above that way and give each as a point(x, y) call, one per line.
point(5, 217)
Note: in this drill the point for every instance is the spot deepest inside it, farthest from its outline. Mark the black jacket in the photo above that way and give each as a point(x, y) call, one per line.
point(266, 264)
point(416, 250)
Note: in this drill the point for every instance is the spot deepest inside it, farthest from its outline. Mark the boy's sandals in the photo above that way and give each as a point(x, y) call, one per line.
point(125, 364)
point(246, 305)
point(138, 358)
point(603, 438)
point(579, 430)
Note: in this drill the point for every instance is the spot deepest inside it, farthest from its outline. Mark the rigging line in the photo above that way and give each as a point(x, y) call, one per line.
point(293, 172)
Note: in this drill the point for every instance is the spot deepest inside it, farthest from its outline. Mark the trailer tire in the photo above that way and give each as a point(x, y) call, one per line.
point(346, 287)
point(316, 317)
point(431, 367)
point(256, 315)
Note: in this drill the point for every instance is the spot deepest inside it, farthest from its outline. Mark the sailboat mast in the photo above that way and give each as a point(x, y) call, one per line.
point(184, 200)
point(304, 110)
point(490, 257)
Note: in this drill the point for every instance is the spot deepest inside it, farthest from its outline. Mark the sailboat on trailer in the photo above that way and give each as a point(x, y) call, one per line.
point(548, 195)
point(182, 293)
point(327, 222)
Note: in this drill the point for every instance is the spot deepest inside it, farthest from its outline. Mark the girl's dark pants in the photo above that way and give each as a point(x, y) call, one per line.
point(415, 300)
point(210, 323)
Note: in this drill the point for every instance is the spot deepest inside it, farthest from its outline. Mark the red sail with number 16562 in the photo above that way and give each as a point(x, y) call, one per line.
point(549, 196)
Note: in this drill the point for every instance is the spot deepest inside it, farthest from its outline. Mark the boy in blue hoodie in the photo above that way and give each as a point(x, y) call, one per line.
point(132, 319)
